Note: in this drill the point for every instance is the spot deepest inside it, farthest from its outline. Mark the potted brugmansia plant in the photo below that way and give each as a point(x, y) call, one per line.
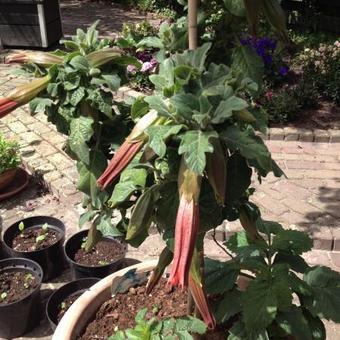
point(198, 147)
point(9, 161)
point(186, 166)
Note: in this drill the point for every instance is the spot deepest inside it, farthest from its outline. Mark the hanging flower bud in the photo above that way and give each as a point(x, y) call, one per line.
point(217, 170)
point(128, 150)
point(187, 225)
point(164, 260)
point(101, 57)
point(22, 95)
point(197, 292)
point(40, 58)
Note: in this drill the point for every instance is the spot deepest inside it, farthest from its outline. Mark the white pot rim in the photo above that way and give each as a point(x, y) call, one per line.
point(81, 312)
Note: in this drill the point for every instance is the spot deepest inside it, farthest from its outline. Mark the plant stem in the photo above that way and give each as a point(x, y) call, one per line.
point(218, 244)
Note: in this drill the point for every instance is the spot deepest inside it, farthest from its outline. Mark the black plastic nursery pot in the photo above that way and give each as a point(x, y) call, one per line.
point(68, 290)
point(78, 271)
point(22, 316)
point(51, 259)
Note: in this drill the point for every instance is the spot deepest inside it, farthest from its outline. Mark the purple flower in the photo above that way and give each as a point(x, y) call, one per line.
point(149, 66)
point(264, 47)
point(132, 69)
point(284, 70)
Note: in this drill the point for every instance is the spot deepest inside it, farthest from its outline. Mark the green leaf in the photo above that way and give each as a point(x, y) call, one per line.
point(325, 285)
point(157, 103)
point(238, 178)
point(80, 63)
point(300, 287)
point(194, 145)
point(40, 104)
point(246, 63)
point(250, 146)
point(158, 135)
point(105, 225)
point(131, 179)
point(81, 133)
point(268, 227)
point(77, 96)
point(88, 176)
point(292, 240)
point(139, 108)
point(152, 42)
point(185, 104)
point(220, 276)
point(112, 81)
point(235, 7)
point(239, 332)
point(87, 216)
point(228, 306)
point(294, 323)
point(141, 217)
point(316, 326)
point(266, 294)
point(296, 262)
point(226, 107)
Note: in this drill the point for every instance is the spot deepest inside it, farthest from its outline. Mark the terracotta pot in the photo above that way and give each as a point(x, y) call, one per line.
point(7, 177)
point(83, 310)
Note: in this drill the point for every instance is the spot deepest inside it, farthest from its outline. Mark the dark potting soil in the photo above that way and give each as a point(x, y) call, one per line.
point(27, 239)
point(66, 304)
point(120, 311)
point(104, 252)
point(14, 286)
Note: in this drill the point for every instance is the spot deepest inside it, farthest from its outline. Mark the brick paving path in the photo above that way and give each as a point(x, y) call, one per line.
point(308, 200)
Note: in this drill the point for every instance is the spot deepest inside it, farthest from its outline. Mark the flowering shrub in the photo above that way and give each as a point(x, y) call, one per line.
point(321, 67)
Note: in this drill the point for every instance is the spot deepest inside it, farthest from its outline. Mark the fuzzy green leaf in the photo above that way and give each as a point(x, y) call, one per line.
point(159, 134)
point(40, 104)
point(130, 181)
point(80, 63)
point(157, 103)
point(194, 145)
point(226, 107)
point(77, 96)
point(81, 133)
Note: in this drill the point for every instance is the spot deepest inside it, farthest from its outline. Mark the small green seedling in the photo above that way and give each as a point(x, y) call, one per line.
point(45, 227)
point(83, 243)
point(28, 280)
point(103, 263)
point(63, 305)
point(3, 296)
point(21, 227)
point(42, 237)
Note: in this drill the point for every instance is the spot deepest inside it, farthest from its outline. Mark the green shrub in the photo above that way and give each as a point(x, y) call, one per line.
point(321, 67)
point(9, 154)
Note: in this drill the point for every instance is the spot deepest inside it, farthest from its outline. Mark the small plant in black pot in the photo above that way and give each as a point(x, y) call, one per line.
point(63, 298)
point(20, 308)
point(98, 260)
point(40, 239)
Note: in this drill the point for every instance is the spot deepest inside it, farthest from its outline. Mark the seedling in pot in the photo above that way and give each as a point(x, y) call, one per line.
point(28, 280)
point(3, 296)
point(63, 305)
point(103, 263)
point(43, 235)
point(83, 244)
point(21, 227)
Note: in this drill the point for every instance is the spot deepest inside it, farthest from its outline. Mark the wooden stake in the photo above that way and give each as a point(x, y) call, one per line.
point(192, 24)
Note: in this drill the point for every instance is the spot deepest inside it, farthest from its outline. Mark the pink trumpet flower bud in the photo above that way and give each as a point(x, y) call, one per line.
point(187, 225)
point(40, 58)
point(129, 149)
point(22, 95)
point(201, 302)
